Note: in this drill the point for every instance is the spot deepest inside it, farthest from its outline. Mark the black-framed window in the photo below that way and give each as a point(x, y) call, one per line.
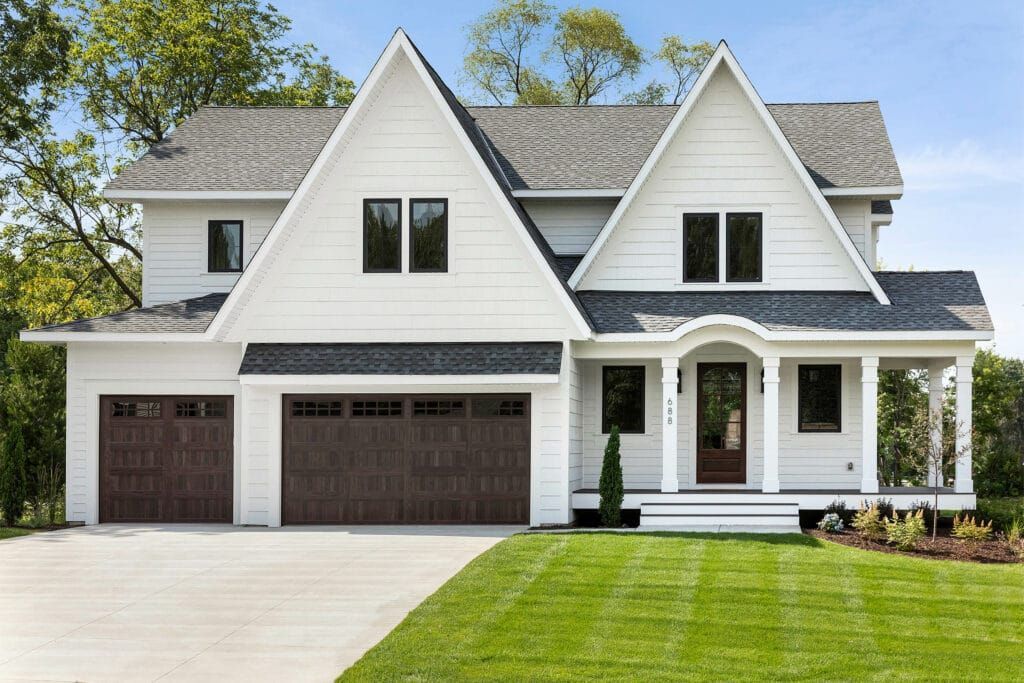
point(622, 398)
point(743, 236)
point(819, 400)
point(224, 247)
point(487, 406)
point(700, 247)
point(428, 235)
point(382, 236)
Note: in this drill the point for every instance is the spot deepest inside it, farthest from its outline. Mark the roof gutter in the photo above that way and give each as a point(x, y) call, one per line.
point(874, 192)
point(133, 196)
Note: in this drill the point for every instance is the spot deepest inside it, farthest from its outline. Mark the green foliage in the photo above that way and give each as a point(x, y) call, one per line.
point(498, 61)
point(967, 528)
point(1015, 534)
point(902, 404)
point(652, 93)
point(13, 480)
point(998, 417)
point(610, 485)
point(831, 522)
point(869, 522)
point(1001, 511)
point(684, 62)
point(905, 533)
point(838, 507)
point(596, 51)
point(34, 42)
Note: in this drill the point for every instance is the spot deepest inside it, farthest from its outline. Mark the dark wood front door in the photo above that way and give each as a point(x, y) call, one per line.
point(166, 458)
point(721, 423)
point(394, 459)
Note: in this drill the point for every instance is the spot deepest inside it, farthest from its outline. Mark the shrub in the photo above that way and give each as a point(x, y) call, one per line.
point(925, 508)
point(905, 533)
point(831, 522)
point(610, 485)
point(12, 476)
point(1015, 535)
point(869, 522)
point(1001, 511)
point(967, 528)
point(838, 507)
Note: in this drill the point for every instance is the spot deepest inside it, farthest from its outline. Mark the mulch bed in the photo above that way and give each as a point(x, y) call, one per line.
point(944, 547)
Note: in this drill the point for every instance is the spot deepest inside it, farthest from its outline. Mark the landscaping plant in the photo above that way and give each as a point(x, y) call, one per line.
point(869, 522)
point(610, 485)
point(1015, 535)
point(905, 533)
point(838, 507)
point(967, 528)
point(831, 523)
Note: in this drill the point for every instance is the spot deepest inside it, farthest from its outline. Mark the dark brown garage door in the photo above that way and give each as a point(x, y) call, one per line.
point(406, 459)
point(166, 458)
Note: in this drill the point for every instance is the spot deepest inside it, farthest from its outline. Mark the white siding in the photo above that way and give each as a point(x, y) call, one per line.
point(95, 369)
point(576, 424)
point(723, 158)
point(569, 225)
point(174, 237)
point(313, 288)
point(855, 215)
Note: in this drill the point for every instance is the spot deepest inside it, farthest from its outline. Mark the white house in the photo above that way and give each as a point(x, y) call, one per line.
point(412, 311)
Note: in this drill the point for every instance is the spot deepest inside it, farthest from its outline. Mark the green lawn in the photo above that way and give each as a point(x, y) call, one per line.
point(11, 532)
point(663, 607)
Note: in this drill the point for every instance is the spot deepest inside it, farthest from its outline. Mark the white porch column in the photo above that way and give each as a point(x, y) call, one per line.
point(869, 424)
point(771, 425)
point(935, 392)
point(669, 426)
point(964, 423)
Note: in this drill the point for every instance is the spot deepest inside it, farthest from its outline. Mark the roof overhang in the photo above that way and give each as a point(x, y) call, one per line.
point(48, 337)
point(134, 196)
point(876, 192)
point(396, 380)
point(609, 193)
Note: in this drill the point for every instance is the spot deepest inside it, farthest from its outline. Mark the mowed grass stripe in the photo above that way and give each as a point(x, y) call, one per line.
point(705, 607)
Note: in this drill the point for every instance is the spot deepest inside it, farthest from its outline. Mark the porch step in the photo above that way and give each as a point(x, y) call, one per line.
point(761, 517)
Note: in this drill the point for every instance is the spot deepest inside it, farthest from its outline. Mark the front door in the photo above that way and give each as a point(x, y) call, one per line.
point(721, 423)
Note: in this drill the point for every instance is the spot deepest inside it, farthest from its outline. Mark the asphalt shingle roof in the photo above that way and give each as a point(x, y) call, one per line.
point(540, 148)
point(188, 316)
point(530, 358)
point(921, 301)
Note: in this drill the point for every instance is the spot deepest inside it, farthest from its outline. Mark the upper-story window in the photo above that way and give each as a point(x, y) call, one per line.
point(428, 235)
point(382, 236)
point(224, 250)
point(703, 243)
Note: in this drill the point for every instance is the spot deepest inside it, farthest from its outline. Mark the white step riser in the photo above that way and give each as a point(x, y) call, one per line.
point(719, 509)
point(719, 521)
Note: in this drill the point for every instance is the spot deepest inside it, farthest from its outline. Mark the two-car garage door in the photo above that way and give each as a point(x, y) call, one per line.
point(421, 459)
point(346, 459)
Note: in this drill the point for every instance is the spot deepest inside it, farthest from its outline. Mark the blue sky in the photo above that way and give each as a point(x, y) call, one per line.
point(949, 76)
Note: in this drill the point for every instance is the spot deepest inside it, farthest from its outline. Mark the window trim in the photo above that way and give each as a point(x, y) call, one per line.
point(718, 233)
point(760, 246)
point(412, 236)
point(220, 222)
point(839, 399)
point(366, 251)
point(605, 427)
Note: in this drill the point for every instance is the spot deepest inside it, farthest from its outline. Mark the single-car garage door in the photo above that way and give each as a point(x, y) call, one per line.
point(166, 458)
point(392, 459)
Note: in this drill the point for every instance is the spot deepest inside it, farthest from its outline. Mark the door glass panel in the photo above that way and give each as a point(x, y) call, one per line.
point(722, 409)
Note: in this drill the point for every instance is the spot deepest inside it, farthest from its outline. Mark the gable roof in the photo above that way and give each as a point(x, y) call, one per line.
point(476, 146)
point(473, 358)
point(723, 58)
point(240, 149)
point(191, 316)
point(947, 301)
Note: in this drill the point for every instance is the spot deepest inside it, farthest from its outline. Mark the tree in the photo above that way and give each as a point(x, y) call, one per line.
point(34, 42)
point(652, 93)
point(596, 51)
point(499, 42)
point(998, 418)
point(684, 61)
point(902, 396)
point(610, 484)
point(13, 491)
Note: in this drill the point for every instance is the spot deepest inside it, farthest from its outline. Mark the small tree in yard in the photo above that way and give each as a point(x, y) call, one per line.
point(929, 455)
point(12, 476)
point(610, 485)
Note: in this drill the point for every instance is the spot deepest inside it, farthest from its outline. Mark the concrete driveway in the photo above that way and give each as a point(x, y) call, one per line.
point(127, 602)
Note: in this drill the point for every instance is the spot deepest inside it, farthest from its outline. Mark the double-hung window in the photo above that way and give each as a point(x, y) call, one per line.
point(704, 243)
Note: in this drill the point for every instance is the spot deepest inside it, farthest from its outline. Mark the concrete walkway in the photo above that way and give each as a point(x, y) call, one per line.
point(196, 603)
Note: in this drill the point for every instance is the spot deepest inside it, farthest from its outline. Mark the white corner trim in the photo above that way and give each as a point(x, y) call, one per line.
point(394, 380)
point(724, 54)
point(399, 42)
point(48, 337)
point(875, 192)
point(569, 194)
point(129, 196)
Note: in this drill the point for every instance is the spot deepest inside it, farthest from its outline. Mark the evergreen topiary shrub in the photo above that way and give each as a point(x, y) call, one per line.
point(610, 486)
point(12, 477)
